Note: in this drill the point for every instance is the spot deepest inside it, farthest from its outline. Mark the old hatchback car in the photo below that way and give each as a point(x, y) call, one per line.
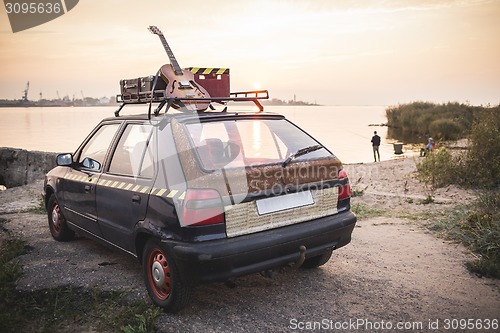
point(200, 197)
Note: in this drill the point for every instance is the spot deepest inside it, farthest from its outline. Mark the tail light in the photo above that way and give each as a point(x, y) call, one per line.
point(202, 207)
point(344, 190)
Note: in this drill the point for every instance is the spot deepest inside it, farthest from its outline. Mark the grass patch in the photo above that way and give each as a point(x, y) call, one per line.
point(364, 212)
point(10, 270)
point(57, 309)
point(477, 226)
point(484, 267)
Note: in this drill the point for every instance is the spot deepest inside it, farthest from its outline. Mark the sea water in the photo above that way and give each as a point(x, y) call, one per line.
point(345, 130)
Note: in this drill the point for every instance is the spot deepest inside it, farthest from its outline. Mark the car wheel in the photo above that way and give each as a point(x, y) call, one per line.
point(57, 223)
point(317, 261)
point(163, 279)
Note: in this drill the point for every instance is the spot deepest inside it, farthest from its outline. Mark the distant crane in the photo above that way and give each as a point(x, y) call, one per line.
point(25, 92)
point(58, 97)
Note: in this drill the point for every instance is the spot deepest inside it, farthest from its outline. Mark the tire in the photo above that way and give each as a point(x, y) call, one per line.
point(163, 279)
point(317, 261)
point(57, 223)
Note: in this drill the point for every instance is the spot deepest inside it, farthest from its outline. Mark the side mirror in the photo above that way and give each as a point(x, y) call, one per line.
point(64, 159)
point(91, 164)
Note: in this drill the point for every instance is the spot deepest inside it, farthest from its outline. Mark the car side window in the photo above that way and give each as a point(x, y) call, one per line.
point(94, 151)
point(134, 153)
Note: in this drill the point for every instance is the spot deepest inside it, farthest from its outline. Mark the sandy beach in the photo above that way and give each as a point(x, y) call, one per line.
point(393, 185)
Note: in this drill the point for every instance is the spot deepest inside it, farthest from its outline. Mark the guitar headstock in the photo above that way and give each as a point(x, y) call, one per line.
point(154, 29)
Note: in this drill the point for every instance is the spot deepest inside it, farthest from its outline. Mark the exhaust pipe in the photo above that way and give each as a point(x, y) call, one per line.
point(271, 273)
point(300, 260)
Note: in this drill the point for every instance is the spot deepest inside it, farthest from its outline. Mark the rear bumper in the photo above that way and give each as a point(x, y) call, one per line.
point(220, 260)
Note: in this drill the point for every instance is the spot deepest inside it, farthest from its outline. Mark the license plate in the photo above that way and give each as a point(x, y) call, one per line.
point(284, 202)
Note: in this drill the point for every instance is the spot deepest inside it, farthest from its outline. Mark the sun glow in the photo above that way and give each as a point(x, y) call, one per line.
point(257, 86)
point(257, 138)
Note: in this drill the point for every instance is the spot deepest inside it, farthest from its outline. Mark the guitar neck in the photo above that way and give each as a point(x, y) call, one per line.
point(173, 61)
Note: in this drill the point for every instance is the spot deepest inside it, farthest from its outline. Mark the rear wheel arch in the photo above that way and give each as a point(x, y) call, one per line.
point(140, 241)
point(146, 230)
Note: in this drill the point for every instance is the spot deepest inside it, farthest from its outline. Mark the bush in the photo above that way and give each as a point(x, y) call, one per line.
point(439, 169)
point(446, 129)
point(484, 155)
point(482, 233)
point(479, 167)
point(441, 121)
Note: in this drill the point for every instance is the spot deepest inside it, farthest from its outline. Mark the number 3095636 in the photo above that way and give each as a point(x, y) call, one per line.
point(32, 8)
point(471, 324)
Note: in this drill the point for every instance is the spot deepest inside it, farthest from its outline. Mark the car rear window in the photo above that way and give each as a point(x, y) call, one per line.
point(249, 142)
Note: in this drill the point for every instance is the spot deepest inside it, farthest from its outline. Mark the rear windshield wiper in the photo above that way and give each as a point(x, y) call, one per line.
point(301, 152)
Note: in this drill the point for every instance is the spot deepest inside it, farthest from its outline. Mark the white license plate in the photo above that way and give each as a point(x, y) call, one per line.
point(284, 202)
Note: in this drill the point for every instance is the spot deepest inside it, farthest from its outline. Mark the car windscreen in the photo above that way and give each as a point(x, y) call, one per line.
point(249, 142)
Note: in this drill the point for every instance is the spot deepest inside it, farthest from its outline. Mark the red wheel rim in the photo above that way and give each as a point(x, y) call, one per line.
point(56, 217)
point(159, 274)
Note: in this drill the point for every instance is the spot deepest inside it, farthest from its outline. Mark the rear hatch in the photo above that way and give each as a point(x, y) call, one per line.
point(256, 172)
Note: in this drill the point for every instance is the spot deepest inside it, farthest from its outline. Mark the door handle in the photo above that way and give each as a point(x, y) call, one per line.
point(136, 198)
point(87, 188)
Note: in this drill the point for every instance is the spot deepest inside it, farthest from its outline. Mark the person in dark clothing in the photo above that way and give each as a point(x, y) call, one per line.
point(376, 145)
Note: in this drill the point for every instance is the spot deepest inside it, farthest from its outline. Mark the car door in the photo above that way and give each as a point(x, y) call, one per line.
point(79, 184)
point(123, 190)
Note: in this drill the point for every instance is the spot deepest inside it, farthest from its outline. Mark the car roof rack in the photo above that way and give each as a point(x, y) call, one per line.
point(159, 96)
point(153, 89)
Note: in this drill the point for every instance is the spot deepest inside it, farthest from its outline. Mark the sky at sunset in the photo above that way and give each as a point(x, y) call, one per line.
point(367, 52)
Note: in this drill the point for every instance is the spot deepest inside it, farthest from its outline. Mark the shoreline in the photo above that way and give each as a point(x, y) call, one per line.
point(390, 184)
point(19, 166)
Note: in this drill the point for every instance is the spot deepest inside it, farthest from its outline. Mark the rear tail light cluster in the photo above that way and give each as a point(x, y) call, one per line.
point(344, 190)
point(202, 207)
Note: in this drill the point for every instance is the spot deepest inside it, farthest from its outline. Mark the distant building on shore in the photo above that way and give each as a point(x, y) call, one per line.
point(277, 101)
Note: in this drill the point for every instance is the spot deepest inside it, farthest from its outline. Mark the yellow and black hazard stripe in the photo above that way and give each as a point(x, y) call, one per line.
point(207, 71)
point(80, 178)
point(159, 192)
point(171, 194)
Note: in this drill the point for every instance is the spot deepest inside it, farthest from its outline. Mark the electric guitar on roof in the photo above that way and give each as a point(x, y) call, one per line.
point(180, 83)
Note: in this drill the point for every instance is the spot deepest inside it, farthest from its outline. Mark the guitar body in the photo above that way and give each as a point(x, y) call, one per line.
point(182, 85)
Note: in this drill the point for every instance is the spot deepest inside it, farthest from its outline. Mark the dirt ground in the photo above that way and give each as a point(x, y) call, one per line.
point(393, 275)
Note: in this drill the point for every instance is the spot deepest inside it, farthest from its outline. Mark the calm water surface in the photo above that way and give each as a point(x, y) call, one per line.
point(343, 129)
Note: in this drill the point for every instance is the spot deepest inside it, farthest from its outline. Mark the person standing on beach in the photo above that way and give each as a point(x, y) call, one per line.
point(376, 144)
